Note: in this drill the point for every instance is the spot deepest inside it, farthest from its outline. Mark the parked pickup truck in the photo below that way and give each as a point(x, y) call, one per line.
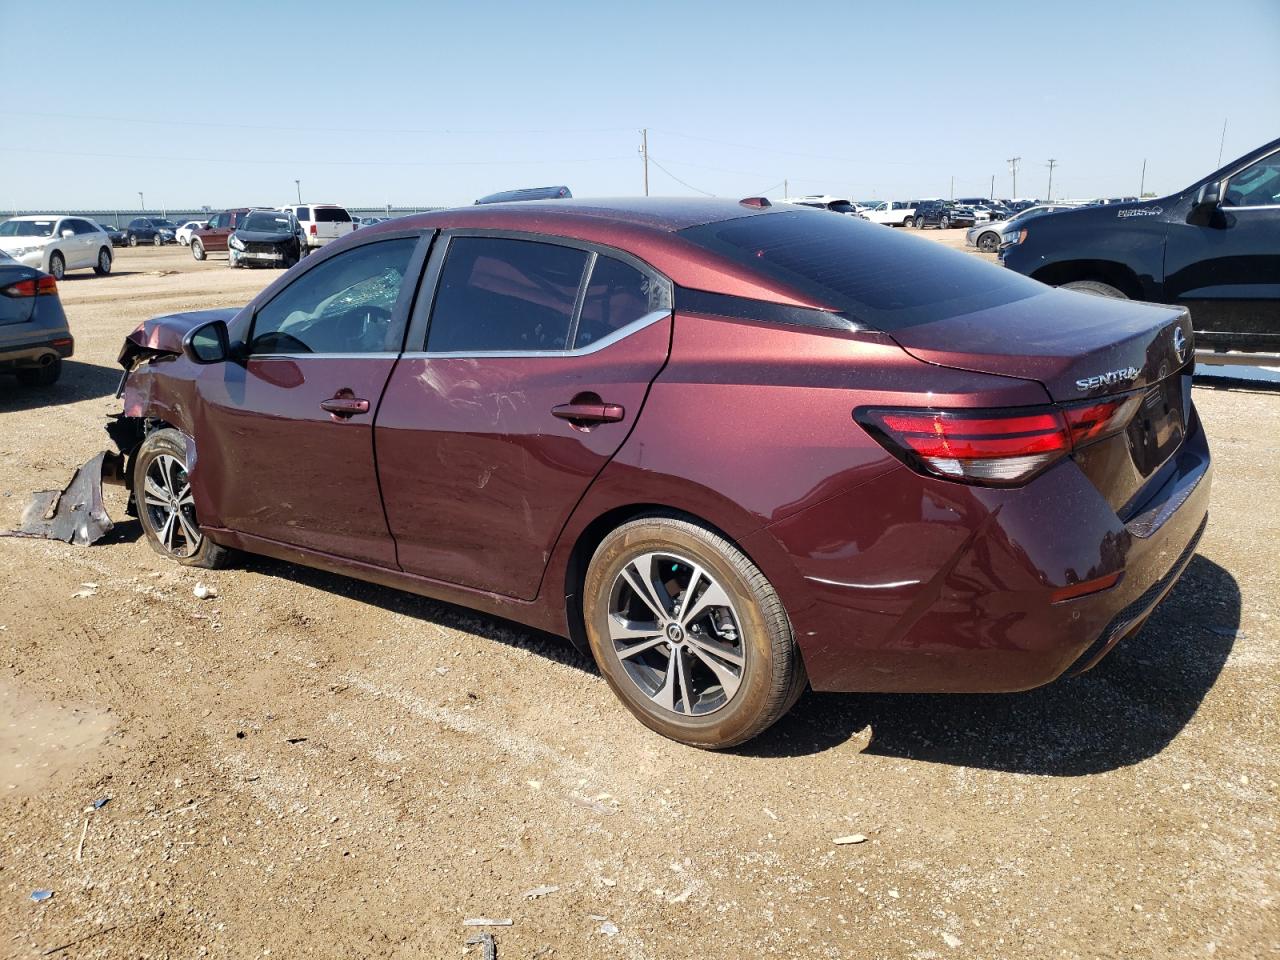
point(893, 213)
point(1213, 247)
point(213, 238)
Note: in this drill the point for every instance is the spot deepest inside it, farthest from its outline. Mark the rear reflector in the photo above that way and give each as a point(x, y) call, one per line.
point(34, 287)
point(995, 447)
point(1084, 589)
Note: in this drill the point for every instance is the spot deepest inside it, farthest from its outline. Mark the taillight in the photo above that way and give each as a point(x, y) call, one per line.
point(994, 447)
point(313, 230)
point(33, 287)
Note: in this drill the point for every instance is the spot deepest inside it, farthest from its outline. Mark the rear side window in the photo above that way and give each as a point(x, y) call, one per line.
point(887, 280)
point(617, 295)
point(508, 296)
point(304, 213)
point(332, 215)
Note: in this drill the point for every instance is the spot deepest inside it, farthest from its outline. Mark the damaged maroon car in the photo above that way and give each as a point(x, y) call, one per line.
point(729, 449)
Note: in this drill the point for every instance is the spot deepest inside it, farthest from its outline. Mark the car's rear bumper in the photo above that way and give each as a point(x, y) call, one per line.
point(912, 584)
point(33, 353)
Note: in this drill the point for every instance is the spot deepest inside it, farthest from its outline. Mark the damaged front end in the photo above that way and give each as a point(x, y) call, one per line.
point(76, 513)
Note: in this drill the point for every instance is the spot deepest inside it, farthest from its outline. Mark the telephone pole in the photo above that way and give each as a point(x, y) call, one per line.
point(992, 195)
point(1142, 184)
point(1052, 163)
point(784, 189)
point(644, 155)
point(953, 187)
point(1013, 167)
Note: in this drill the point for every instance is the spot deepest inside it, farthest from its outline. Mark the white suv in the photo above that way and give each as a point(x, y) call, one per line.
point(56, 244)
point(893, 213)
point(321, 223)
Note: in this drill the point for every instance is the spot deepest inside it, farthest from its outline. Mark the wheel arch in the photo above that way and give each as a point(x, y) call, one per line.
point(1116, 274)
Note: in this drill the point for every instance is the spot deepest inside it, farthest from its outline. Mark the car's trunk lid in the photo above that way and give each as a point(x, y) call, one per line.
point(1077, 346)
point(1081, 347)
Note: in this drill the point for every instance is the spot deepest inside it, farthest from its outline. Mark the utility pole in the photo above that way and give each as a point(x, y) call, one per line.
point(298, 184)
point(644, 155)
point(141, 203)
point(1013, 167)
point(784, 188)
point(1222, 141)
point(992, 196)
point(1052, 163)
point(953, 186)
point(1142, 184)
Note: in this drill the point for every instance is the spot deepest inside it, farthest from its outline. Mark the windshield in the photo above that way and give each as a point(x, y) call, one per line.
point(842, 206)
point(883, 278)
point(268, 222)
point(158, 222)
point(26, 228)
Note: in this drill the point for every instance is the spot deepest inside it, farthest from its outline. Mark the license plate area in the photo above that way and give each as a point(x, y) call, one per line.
point(1157, 429)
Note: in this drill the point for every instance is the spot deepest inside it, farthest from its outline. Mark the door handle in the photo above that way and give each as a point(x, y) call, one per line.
point(343, 407)
point(589, 412)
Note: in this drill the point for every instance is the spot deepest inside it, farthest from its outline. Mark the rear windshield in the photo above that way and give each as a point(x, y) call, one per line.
point(331, 215)
point(885, 279)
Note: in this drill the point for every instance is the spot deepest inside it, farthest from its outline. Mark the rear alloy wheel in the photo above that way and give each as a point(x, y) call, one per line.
point(157, 240)
point(689, 633)
point(988, 242)
point(103, 266)
point(166, 503)
point(197, 249)
point(57, 266)
point(1095, 287)
point(133, 241)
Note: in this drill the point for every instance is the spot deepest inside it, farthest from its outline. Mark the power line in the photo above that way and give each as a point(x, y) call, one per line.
point(677, 179)
point(311, 161)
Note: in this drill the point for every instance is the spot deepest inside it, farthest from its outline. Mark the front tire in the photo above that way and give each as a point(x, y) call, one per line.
point(103, 266)
point(166, 503)
point(1097, 288)
point(988, 242)
point(158, 240)
point(944, 223)
point(57, 266)
point(689, 633)
point(133, 241)
point(197, 249)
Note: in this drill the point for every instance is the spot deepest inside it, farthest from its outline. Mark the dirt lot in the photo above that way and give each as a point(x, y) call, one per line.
point(309, 766)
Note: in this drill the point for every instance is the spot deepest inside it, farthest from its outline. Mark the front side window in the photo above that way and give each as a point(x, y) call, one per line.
point(1257, 185)
point(83, 226)
point(617, 295)
point(344, 305)
point(501, 295)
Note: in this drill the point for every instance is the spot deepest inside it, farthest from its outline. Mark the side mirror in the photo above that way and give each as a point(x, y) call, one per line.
point(207, 344)
point(1207, 203)
point(68, 234)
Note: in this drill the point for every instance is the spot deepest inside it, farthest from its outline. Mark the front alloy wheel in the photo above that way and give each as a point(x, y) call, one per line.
point(689, 633)
point(166, 503)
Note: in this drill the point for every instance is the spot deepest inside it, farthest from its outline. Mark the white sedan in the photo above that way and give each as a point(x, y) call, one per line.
point(183, 233)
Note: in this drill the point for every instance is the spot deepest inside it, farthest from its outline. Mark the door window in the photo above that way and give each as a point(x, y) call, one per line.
point(344, 305)
point(304, 213)
point(617, 295)
point(81, 226)
point(501, 296)
point(1257, 185)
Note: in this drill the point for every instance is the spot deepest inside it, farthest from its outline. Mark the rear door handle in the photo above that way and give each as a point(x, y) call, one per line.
point(343, 407)
point(589, 412)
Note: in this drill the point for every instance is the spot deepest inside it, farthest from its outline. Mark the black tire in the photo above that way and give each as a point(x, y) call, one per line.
point(57, 265)
point(772, 675)
point(158, 240)
point(944, 223)
point(197, 249)
point(103, 266)
point(908, 223)
point(1097, 288)
point(45, 376)
point(201, 552)
point(133, 241)
point(988, 241)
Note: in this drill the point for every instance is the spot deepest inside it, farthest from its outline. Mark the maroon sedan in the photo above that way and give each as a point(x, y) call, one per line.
point(731, 449)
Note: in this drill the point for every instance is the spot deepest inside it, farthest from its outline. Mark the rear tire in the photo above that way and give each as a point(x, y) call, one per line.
point(103, 266)
point(158, 240)
point(165, 503)
point(720, 677)
point(1097, 288)
point(908, 223)
point(45, 376)
point(197, 249)
point(133, 241)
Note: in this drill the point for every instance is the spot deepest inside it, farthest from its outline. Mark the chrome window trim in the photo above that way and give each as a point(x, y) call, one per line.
point(377, 355)
point(650, 318)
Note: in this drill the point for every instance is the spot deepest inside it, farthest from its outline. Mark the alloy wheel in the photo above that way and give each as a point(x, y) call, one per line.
point(170, 506)
point(675, 631)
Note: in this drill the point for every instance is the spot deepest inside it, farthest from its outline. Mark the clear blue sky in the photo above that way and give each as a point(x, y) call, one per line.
point(367, 102)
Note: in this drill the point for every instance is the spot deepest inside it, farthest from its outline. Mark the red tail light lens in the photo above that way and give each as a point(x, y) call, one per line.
point(313, 230)
point(34, 287)
point(993, 447)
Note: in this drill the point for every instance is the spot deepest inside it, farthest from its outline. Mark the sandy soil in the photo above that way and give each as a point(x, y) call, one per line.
point(310, 766)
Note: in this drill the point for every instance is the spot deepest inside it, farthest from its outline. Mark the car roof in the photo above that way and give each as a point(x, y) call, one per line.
point(41, 216)
point(662, 214)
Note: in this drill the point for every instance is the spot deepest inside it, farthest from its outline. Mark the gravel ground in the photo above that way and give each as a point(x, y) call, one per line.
point(309, 766)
